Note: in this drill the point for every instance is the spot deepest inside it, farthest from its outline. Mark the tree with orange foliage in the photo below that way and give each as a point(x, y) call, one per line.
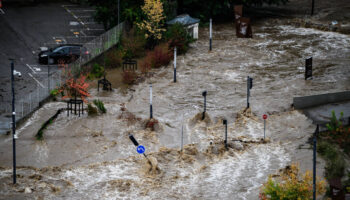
point(75, 84)
point(291, 186)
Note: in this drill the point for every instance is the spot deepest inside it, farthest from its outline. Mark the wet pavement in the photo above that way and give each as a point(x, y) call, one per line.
point(93, 158)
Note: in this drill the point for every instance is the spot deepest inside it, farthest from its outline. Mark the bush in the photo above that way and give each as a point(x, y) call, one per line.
point(335, 123)
point(97, 71)
point(91, 110)
point(99, 104)
point(177, 36)
point(133, 44)
point(335, 163)
point(160, 56)
point(114, 58)
point(291, 186)
point(129, 77)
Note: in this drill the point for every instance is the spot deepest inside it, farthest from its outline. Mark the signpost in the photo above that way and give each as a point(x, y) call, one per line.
point(308, 68)
point(264, 117)
point(175, 64)
point(249, 86)
point(139, 148)
point(225, 123)
point(204, 94)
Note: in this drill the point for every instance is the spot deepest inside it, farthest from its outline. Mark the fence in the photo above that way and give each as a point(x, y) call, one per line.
point(27, 103)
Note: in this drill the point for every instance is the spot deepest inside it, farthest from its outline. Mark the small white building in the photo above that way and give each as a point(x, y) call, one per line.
point(190, 23)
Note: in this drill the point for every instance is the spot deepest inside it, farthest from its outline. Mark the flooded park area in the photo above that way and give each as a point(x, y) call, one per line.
point(92, 157)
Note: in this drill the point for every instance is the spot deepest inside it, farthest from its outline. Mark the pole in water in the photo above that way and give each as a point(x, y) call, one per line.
point(210, 34)
point(14, 136)
point(249, 86)
point(225, 123)
point(182, 137)
point(150, 101)
point(204, 94)
point(312, 7)
point(264, 117)
point(314, 163)
point(175, 64)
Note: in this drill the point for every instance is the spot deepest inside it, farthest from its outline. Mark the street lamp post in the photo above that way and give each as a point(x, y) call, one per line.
point(13, 122)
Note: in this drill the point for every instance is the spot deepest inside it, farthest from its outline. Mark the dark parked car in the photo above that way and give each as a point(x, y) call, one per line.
point(60, 54)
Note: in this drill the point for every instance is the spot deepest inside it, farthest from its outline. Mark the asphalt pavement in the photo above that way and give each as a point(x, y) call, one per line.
point(26, 28)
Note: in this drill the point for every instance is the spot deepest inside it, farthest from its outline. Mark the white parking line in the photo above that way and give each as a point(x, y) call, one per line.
point(31, 68)
point(72, 5)
point(1, 11)
point(36, 80)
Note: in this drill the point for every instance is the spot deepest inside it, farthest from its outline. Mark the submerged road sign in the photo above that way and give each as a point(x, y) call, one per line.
point(140, 149)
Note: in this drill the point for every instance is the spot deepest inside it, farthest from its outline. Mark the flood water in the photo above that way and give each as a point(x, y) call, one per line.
point(97, 160)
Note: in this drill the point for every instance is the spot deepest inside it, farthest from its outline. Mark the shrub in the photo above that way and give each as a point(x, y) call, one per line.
point(114, 58)
point(133, 44)
point(97, 71)
point(161, 55)
point(335, 163)
point(291, 186)
point(335, 123)
point(99, 104)
point(54, 92)
point(177, 36)
point(146, 64)
point(91, 110)
point(129, 77)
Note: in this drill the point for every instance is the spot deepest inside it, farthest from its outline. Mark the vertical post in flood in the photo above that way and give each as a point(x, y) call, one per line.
point(210, 34)
point(175, 52)
point(225, 123)
point(249, 86)
point(150, 101)
point(204, 94)
point(314, 163)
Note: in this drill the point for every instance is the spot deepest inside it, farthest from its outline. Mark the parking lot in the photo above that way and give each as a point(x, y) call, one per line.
point(27, 28)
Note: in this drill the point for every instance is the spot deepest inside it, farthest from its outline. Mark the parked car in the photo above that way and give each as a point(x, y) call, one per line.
point(61, 54)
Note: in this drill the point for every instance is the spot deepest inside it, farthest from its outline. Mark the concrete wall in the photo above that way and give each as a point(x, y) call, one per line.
point(316, 100)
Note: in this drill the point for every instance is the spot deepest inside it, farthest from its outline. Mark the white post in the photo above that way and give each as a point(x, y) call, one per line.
point(210, 34)
point(175, 52)
point(150, 101)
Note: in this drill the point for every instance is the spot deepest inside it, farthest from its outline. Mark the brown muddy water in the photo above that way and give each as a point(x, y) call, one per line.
point(92, 157)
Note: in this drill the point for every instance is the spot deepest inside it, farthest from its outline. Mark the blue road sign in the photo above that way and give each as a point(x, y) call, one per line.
point(140, 149)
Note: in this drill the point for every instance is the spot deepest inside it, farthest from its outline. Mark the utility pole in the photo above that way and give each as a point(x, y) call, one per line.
point(312, 7)
point(14, 136)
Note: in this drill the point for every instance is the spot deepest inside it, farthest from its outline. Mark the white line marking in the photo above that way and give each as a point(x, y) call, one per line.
point(82, 32)
point(95, 29)
point(33, 52)
point(91, 23)
point(36, 80)
point(2, 12)
point(85, 16)
point(69, 5)
point(31, 68)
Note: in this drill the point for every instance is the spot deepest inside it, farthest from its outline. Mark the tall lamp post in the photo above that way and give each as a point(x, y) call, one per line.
point(14, 136)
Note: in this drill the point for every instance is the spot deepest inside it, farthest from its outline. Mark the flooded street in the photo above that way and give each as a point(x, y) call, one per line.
point(92, 157)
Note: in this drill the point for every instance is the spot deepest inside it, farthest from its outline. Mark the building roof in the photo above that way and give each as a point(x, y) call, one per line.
point(184, 19)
